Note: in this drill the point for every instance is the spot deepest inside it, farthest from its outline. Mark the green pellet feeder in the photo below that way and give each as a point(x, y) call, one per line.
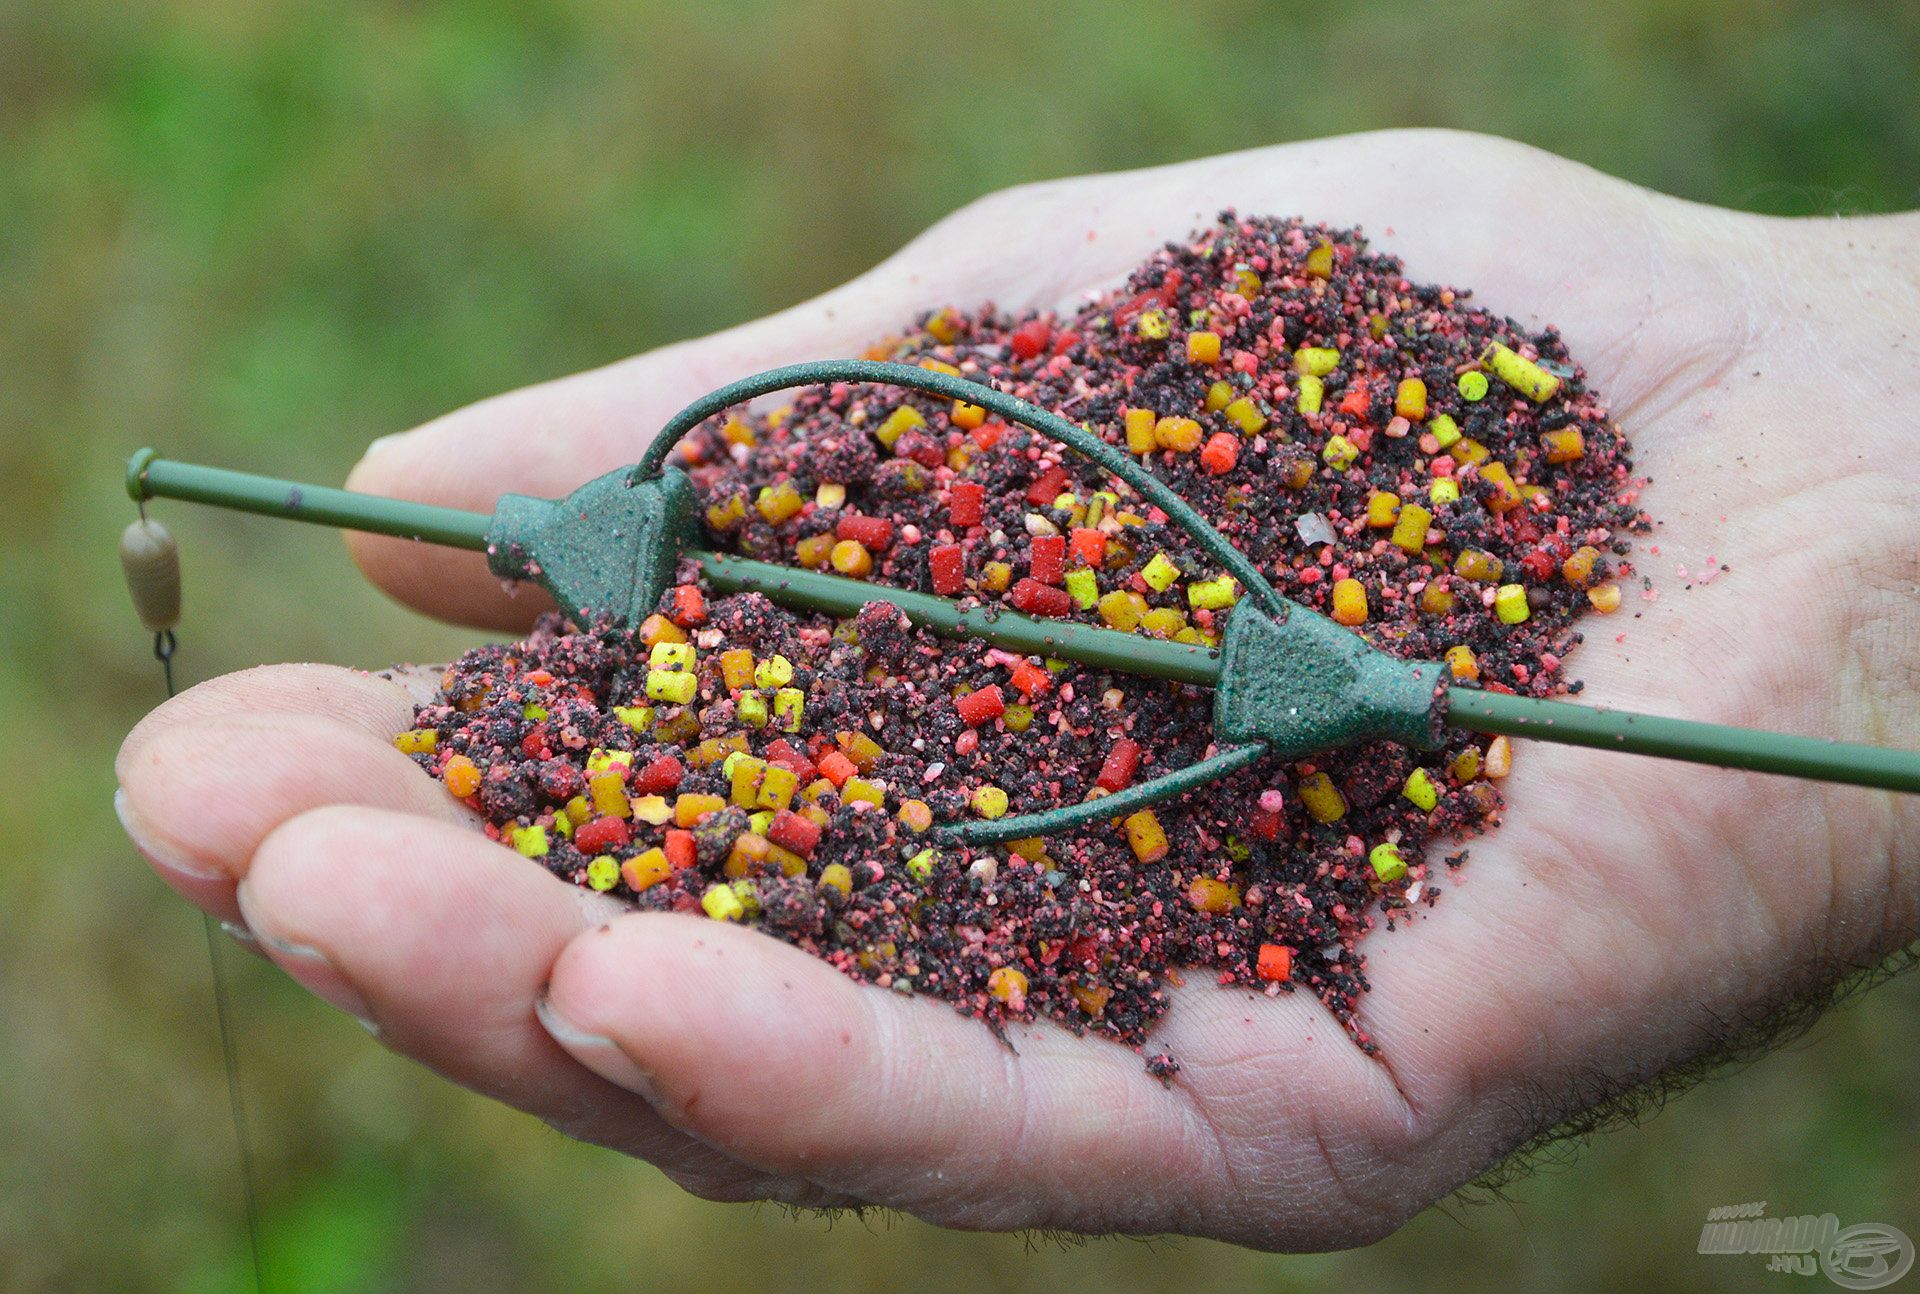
point(1287, 681)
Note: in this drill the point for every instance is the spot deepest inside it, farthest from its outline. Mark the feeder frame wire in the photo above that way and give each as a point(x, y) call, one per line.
point(1012, 408)
point(164, 646)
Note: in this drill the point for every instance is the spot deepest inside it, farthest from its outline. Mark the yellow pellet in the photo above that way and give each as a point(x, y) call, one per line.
point(1083, 586)
point(920, 866)
point(689, 807)
point(1122, 609)
point(600, 759)
point(672, 656)
point(752, 709)
point(609, 792)
point(898, 423)
point(915, 815)
point(777, 785)
point(815, 551)
point(850, 557)
point(1473, 386)
point(967, 416)
point(1153, 325)
point(1564, 445)
point(774, 671)
point(1477, 565)
point(1146, 836)
point(1350, 602)
point(1466, 765)
point(1510, 604)
point(1410, 528)
point(727, 514)
point(778, 502)
point(858, 790)
point(417, 741)
point(1245, 414)
point(1498, 761)
point(1313, 394)
point(830, 495)
point(602, 874)
point(1340, 453)
point(652, 810)
point(1139, 425)
point(722, 903)
point(1159, 573)
point(990, 802)
point(531, 841)
point(1446, 432)
point(1164, 622)
point(1463, 663)
point(1203, 347)
point(1410, 399)
point(996, 576)
point(743, 779)
point(1383, 507)
point(1443, 491)
point(715, 749)
point(673, 687)
point(1506, 495)
point(1018, 718)
point(1523, 375)
point(637, 717)
point(736, 668)
point(1436, 599)
point(837, 876)
point(1181, 435)
point(1219, 395)
point(1605, 598)
point(1320, 260)
point(1212, 595)
point(1388, 866)
point(1322, 798)
point(1421, 790)
point(1213, 896)
point(1006, 984)
point(1315, 361)
point(789, 707)
point(1578, 568)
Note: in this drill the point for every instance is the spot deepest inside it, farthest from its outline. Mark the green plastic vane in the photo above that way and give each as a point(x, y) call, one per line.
point(1286, 681)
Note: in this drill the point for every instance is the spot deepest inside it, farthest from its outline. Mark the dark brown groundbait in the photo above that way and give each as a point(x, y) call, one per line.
point(1417, 468)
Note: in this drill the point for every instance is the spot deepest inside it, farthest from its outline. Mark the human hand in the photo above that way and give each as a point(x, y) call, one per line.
point(1625, 917)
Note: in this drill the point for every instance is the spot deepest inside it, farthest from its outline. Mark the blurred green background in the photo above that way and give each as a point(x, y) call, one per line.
point(262, 234)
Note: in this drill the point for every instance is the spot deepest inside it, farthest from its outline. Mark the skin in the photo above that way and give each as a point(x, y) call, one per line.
point(1627, 915)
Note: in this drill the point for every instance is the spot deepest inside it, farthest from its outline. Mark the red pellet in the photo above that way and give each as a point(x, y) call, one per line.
point(1032, 680)
point(1275, 964)
point(1049, 558)
point(679, 848)
point(601, 835)
point(966, 504)
point(1089, 547)
point(780, 751)
point(947, 564)
point(658, 776)
point(1037, 599)
point(1121, 763)
point(791, 831)
point(689, 607)
point(875, 532)
point(983, 706)
point(1047, 487)
point(1030, 338)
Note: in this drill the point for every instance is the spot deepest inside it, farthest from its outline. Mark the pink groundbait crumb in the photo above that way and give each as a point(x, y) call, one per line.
point(1422, 471)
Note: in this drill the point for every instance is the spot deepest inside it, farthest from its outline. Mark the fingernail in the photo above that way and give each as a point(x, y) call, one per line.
point(598, 1053)
point(380, 445)
point(163, 857)
point(240, 934)
point(310, 968)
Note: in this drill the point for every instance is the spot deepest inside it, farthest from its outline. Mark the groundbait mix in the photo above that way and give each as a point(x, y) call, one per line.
point(1418, 469)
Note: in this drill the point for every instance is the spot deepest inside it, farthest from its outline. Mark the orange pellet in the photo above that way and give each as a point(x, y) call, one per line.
point(1564, 445)
point(1203, 347)
point(1579, 567)
point(646, 869)
point(1498, 761)
point(689, 808)
point(1212, 896)
point(1182, 435)
point(462, 777)
point(1350, 602)
point(1221, 453)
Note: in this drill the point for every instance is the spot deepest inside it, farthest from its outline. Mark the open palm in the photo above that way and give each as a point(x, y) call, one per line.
point(1626, 913)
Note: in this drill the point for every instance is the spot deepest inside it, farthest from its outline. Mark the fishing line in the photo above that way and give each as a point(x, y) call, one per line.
point(151, 561)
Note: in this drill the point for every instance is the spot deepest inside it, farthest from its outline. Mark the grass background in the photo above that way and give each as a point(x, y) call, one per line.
point(261, 234)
